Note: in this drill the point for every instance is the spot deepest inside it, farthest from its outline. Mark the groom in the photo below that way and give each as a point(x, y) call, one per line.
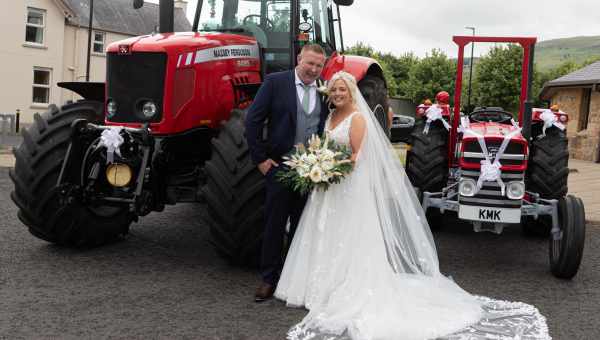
point(294, 109)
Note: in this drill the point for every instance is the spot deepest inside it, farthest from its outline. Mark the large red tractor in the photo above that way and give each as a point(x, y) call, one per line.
point(167, 126)
point(494, 172)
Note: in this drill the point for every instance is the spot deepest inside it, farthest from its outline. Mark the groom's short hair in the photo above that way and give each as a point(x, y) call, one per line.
point(313, 48)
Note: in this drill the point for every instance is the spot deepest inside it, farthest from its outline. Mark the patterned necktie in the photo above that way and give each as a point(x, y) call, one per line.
point(306, 98)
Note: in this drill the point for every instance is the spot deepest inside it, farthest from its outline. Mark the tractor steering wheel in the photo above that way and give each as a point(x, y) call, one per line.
point(269, 26)
point(490, 115)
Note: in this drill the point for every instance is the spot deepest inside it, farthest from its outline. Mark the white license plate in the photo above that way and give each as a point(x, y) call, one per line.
point(489, 214)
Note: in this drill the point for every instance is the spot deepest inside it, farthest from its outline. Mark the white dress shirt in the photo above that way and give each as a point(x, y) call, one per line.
point(312, 92)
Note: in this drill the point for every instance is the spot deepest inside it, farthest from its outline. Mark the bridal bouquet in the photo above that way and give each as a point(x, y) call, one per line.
point(322, 163)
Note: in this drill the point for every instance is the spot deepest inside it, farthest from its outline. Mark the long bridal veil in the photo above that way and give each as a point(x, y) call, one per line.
point(380, 277)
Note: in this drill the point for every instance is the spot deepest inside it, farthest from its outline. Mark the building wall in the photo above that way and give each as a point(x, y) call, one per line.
point(75, 58)
point(19, 58)
point(583, 144)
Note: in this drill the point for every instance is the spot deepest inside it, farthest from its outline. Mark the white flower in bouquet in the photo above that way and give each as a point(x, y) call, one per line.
point(312, 159)
point(303, 171)
point(327, 164)
point(320, 164)
point(316, 174)
point(314, 143)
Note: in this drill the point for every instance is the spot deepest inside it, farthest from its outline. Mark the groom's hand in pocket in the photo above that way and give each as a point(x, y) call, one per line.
point(265, 166)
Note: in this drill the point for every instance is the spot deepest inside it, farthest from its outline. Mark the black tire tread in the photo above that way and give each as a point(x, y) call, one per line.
point(572, 216)
point(38, 161)
point(548, 166)
point(235, 196)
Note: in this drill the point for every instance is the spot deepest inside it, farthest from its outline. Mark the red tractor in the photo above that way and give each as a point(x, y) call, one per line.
point(494, 172)
point(167, 126)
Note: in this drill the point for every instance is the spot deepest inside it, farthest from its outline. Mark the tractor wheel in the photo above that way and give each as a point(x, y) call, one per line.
point(566, 253)
point(375, 93)
point(547, 173)
point(549, 165)
point(427, 164)
point(427, 159)
point(235, 196)
point(38, 163)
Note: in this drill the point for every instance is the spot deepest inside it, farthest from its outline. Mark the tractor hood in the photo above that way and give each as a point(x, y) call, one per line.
point(495, 130)
point(178, 43)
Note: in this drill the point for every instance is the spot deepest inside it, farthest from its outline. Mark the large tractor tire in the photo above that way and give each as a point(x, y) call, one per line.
point(547, 174)
point(375, 93)
point(38, 163)
point(235, 196)
point(427, 159)
point(566, 253)
point(427, 163)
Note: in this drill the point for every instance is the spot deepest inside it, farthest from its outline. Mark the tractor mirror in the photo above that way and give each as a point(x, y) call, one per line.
point(343, 2)
point(137, 4)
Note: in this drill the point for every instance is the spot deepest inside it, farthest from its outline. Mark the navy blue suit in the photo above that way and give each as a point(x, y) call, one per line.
point(276, 102)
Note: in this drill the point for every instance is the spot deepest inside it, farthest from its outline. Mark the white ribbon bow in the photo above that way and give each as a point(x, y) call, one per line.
point(434, 113)
point(112, 140)
point(550, 120)
point(490, 170)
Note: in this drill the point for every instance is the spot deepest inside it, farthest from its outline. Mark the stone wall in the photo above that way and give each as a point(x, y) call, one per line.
point(583, 144)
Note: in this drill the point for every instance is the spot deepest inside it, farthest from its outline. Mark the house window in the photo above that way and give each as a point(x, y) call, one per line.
point(41, 85)
point(99, 42)
point(584, 114)
point(34, 27)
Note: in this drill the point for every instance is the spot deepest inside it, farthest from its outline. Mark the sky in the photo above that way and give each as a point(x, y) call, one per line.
point(418, 26)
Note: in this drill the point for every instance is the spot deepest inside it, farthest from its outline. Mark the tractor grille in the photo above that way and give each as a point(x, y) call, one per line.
point(513, 155)
point(490, 194)
point(133, 79)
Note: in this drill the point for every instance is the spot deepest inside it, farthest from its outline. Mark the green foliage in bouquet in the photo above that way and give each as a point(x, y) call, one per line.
point(317, 166)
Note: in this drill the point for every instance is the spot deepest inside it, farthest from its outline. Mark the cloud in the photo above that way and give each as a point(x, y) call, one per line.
point(419, 26)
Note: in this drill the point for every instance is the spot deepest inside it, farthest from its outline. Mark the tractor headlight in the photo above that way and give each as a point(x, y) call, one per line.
point(467, 187)
point(515, 190)
point(118, 174)
point(149, 109)
point(111, 108)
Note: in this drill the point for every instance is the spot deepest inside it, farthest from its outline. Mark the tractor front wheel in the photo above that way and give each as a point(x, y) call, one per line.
point(566, 252)
point(38, 162)
point(235, 195)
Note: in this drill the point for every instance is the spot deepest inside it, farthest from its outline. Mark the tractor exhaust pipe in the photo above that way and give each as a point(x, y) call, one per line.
point(166, 15)
point(528, 105)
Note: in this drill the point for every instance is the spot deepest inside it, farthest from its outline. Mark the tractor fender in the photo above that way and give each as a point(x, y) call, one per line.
point(88, 90)
point(358, 66)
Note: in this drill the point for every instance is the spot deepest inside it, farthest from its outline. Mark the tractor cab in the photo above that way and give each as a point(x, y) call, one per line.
point(280, 27)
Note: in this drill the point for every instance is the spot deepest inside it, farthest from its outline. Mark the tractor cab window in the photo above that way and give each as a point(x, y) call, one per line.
point(269, 21)
point(266, 20)
point(315, 19)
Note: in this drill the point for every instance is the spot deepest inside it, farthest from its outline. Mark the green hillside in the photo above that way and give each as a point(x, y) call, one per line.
point(551, 53)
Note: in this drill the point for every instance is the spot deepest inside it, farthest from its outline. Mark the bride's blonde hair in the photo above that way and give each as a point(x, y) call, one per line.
point(350, 83)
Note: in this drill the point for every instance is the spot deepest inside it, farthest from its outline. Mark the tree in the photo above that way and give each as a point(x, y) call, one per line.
point(387, 62)
point(497, 78)
point(430, 75)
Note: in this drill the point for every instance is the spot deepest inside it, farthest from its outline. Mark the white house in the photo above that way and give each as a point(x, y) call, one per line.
point(45, 42)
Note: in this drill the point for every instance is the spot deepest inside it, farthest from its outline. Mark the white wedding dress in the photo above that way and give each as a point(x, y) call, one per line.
point(363, 262)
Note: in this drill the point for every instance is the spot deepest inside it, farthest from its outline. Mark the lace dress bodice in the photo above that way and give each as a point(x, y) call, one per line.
point(341, 133)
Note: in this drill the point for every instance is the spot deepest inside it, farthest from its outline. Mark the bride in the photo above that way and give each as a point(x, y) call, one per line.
point(363, 260)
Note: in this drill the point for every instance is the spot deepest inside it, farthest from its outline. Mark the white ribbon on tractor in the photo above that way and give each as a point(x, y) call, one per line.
point(434, 113)
point(490, 170)
point(112, 140)
point(550, 120)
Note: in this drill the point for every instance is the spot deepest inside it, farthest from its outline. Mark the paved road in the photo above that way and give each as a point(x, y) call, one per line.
point(164, 281)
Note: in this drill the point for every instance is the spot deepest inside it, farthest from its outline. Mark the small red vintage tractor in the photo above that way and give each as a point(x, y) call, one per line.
point(167, 126)
point(495, 172)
